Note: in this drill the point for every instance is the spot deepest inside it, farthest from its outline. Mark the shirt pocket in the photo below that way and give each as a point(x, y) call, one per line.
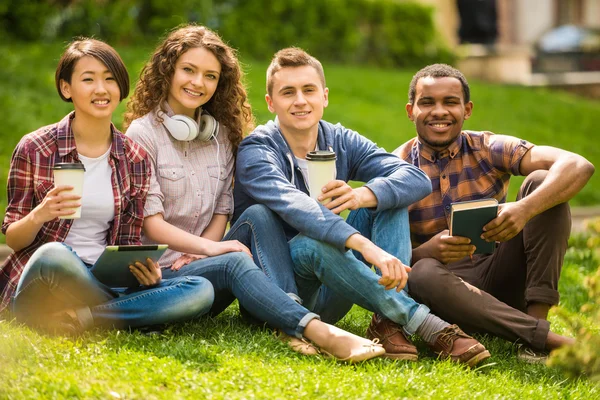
point(41, 190)
point(216, 171)
point(172, 181)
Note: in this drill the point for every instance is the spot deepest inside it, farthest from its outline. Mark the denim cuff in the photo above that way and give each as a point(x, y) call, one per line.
point(295, 297)
point(303, 322)
point(416, 320)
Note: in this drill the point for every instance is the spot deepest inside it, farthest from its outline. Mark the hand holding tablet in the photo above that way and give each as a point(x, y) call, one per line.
point(127, 266)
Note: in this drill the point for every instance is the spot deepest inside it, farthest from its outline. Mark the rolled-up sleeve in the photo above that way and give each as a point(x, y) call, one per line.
point(20, 186)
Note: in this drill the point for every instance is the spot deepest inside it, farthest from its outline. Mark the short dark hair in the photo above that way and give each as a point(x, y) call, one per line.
point(438, 71)
point(289, 58)
point(101, 51)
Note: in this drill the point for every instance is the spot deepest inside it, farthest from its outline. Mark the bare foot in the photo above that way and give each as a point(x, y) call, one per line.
point(341, 344)
point(554, 341)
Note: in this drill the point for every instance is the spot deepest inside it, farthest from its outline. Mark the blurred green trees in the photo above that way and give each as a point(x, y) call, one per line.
point(374, 32)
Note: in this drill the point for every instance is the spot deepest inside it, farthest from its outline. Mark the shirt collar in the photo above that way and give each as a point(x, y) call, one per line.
point(64, 135)
point(432, 155)
point(66, 139)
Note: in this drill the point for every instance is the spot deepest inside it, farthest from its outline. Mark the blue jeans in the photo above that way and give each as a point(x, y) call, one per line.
point(325, 274)
point(234, 275)
point(260, 229)
point(56, 279)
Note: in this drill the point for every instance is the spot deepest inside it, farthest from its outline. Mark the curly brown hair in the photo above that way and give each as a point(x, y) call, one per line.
point(229, 104)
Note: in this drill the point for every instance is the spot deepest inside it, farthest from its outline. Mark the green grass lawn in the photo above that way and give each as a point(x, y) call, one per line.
point(223, 357)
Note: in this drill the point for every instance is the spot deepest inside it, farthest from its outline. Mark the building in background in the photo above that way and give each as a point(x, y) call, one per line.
point(537, 42)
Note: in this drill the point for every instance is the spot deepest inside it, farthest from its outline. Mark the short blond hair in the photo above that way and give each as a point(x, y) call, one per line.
point(291, 57)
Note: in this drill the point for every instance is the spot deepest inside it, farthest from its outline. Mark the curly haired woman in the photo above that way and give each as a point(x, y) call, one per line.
point(190, 111)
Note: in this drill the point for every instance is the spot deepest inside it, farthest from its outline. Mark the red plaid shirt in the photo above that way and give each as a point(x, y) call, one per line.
point(477, 165)
point(31, 177)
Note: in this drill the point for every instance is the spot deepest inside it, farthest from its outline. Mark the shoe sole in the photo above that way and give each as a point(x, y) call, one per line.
point(368, 355)
point(400, 356)
point(477, 358)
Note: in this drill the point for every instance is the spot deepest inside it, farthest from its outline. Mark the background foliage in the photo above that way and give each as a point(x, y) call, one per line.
point(583, 358)
point(375, 32)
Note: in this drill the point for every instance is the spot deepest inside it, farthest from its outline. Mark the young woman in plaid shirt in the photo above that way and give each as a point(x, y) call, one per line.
point(192, 73)
point(47, 276)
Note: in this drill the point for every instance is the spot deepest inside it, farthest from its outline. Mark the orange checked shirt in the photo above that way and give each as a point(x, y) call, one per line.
point(476, 165)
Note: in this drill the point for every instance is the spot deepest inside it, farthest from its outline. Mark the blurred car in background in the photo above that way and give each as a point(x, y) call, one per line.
point(568, 48)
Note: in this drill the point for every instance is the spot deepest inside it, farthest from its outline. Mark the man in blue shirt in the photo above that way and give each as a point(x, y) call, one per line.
point(271, 170)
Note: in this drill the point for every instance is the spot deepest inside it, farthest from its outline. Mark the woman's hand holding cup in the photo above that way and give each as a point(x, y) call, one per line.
point(60, 202)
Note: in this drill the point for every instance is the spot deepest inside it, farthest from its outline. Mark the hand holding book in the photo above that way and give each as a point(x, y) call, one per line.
point(444, 248)
point(511, 220)
point(468, 218)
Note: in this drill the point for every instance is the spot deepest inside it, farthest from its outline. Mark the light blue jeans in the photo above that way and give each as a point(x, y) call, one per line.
point(234, 275)
point(260, 229)
point(56, 279)
point(330, 280)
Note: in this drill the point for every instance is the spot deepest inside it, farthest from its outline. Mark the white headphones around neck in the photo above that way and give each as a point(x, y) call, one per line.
point(184, 128)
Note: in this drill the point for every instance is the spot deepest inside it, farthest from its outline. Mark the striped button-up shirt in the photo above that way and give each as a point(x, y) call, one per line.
point(476, 165)
point(190, 183)
point(31, 177)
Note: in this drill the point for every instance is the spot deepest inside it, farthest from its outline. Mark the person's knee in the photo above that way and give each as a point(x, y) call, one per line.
point(424, 274)
point(55, 257)
point(394, 215)
point(237, 264)
point(535, 178)
point(303, 246)
point(259, 213)
point(200, 299)
point(532, 182)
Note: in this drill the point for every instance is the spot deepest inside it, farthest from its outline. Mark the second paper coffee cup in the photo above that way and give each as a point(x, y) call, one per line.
point(321, 171)
point(70, 174)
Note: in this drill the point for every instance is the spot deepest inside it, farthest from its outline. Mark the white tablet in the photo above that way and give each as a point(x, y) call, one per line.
point(112, 267)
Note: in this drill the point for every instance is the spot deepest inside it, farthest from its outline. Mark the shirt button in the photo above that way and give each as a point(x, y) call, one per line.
point(443, 176)
point(447, 208)
point(193, 173)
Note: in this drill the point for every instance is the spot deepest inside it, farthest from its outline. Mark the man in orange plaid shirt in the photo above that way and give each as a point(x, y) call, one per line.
point(507, 293)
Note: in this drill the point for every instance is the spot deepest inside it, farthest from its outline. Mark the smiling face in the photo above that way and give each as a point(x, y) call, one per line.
point(439, 111)
point(93, 89)
point(194, 81)
point(298, 98)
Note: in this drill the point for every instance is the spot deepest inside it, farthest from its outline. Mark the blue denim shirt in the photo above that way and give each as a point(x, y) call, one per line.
point(267, 173)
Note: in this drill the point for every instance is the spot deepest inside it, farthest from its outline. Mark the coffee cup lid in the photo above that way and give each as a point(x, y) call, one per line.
point(65, 166)
point(320, 155)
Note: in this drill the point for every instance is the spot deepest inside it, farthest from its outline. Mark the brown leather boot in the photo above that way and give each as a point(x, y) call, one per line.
point(393, 339)
point(453, 343)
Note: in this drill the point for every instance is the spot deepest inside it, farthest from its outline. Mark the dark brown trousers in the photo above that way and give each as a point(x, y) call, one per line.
point(490, 293)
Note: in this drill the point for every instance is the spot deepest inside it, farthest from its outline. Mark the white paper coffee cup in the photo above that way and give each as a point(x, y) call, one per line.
point(70, 174)
point(321, 171)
